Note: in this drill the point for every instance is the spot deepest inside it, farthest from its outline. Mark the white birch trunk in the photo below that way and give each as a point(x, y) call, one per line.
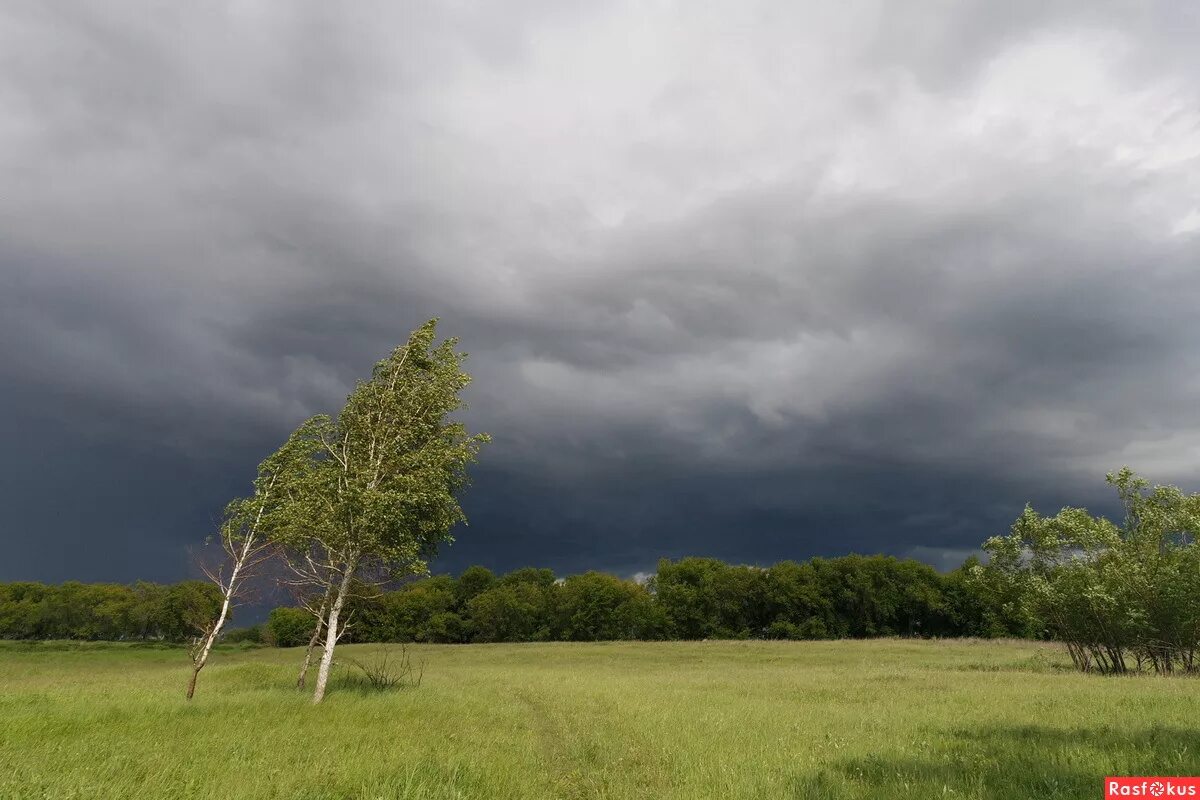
point(312, 642)
point(332, 634)
point(202, 657)
point(241, 557)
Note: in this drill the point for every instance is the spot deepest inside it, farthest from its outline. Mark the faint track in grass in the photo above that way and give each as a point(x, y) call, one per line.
point(552, 737)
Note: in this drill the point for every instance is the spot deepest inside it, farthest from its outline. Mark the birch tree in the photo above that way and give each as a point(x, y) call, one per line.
point(377, 491)
point(244, 547)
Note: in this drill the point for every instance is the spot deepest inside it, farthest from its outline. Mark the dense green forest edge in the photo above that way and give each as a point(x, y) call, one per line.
point(692, 598)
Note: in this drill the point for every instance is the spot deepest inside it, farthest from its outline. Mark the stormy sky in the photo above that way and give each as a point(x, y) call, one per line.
point(747, 280)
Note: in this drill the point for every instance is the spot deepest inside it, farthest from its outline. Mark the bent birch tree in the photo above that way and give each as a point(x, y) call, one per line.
point(376, 492)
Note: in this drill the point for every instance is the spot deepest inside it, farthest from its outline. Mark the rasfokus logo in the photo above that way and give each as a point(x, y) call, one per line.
point(1142, 786)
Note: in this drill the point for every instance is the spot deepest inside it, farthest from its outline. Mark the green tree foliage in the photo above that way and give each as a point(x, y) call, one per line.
point(473, 582)
point(854, 596)
point(289, 627)
point(794, 603)
point(519, 611)
point(106, 611)
point(698, 600)
point(374, 491)
point(599, 607)
point(882, 596)
point(691, 598)
point(1121, 596)
point(407, 615)
point(989, 605)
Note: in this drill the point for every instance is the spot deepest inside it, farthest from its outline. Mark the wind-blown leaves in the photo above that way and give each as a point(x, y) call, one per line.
point(376, 488)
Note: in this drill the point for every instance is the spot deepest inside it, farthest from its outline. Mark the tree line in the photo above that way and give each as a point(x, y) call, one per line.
point(692, 598)
point(106, 611)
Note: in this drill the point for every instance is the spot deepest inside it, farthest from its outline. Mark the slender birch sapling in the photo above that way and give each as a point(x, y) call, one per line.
point(244, 548)
point(245, 543)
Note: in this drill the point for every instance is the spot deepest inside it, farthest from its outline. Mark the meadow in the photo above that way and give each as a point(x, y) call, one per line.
point(837, 719)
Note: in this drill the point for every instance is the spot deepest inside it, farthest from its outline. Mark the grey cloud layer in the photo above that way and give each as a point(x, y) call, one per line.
point(829, 277)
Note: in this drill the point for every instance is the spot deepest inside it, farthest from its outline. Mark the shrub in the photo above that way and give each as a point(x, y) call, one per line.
point(1121, 597)
point(387, 669)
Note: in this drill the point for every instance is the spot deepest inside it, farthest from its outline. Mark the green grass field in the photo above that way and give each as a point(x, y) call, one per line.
point(849, 719)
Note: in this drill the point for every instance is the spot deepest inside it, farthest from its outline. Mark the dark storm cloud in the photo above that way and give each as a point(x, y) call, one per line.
point(749, 280)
